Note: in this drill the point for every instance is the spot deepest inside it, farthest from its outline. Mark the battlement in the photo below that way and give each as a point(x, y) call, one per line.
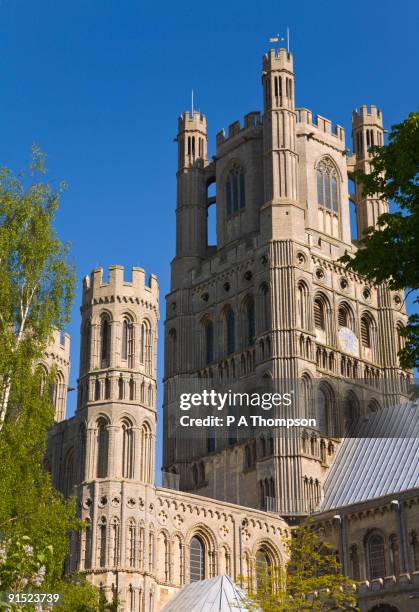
point(195, 122)
point(95, 286)
point(278, 59)
point(367, 115)
point(251, 121)
point(320, 123)
point(60, 345)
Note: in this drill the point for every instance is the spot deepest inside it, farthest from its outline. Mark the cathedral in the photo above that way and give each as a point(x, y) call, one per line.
point(263, 302)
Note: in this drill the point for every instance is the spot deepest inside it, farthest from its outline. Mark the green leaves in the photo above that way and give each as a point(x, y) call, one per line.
point(389, 253)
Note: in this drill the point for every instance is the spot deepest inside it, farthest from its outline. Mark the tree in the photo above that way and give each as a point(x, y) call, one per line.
point(36, 281)
point(36, 285)
point(389, 253)
point(311, 581)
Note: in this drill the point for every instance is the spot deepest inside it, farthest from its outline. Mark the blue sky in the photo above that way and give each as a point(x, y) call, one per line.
point(98, 85)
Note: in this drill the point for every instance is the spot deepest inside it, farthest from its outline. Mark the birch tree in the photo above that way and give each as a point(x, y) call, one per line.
point(36, 279)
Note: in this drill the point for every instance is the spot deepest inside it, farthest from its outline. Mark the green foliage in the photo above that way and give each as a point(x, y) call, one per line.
point(389, 253)
point(36, 287)
point(36, 280)
point(311, 582)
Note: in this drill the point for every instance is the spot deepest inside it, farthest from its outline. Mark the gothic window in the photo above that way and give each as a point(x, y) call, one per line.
point(97, 389)
point(172, 338)
point(264, 306)
point(146, 344)
point(345, 316)
point(376, 559)
point(69, 479)
point(105, 341)
point(87, 562)
point(131, 389)
point(235, 191)
point(114, 544)
point(401, 340)
point(250, 326)
point(102, 449)
point(327, 185)
point(87, 338)
point(230, 324)
point(102, 533)
point(127, 342)
point(107, 388)
point(131, 543)
point(351, 412)
point(146, 453)
point(303, 305)
point(197, 559)
point(141, 544)
point(209, 340)
point(306, 396)
point(319, 314)
point(127, 449)
point(121, 394)
point(263, 568)
point(150, 551)
point(325, 410)
point(366, 331)
point(82, 450)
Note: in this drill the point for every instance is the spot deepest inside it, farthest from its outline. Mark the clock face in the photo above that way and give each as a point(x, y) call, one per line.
point(348, 341)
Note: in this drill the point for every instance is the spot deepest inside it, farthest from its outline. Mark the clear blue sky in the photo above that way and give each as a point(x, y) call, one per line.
point(99, 85)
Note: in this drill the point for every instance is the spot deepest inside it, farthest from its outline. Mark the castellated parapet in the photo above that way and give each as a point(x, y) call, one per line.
point(278, 59)
point(320, 124)
point(192, 122)
point(368, 116)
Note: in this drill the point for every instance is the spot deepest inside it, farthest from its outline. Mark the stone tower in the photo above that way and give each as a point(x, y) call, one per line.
point(270, 301)
point(116, 429)
point(57, 356)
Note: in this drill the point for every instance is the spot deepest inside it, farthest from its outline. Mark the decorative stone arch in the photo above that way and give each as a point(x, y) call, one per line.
point(322, 316)
point(375, 553)
point(326, 409)
point(224, 559)
point(351, 412)
point(146, 452)
point(304, 305)
point(69, 472)
point(207, 337)
point(178, 558)
point(146, 340)
point(247, 320)
point(264, 306)
point(209, 542)
point(346, 315)
point(229, 328)
point(267, 554)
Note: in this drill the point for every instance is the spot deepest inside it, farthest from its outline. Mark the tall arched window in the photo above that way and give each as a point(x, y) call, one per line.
point(127, 342)
point(87, 340)
point(102, 449)
point(263, 568)
point(327, 185)
point(401, 339)
point(146, 464)
point(131, 543)
point(69, 476)
point(209, 340)
point(196, 559)
point(146, 344)
point(319, 314)
point(376, 556)
point(127, 449)
point(115, 542)
point(105, 341)
point(414, 542)
point(264, 306)
point(230, 325)
point(306, 397)
point(102, 533)
point(366, 331)
point(235, 191)
point(250, 322)
point(325, 410)
point(350, 413)
point(394, 555)
point(346, 316)
point(303, 305)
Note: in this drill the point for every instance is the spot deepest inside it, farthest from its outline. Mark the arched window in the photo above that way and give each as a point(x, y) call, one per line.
point(306, 397)
point(87, 340)
point(107, 388)
point(105, 341)
point(127, 342)
point(376, 558)
point(131, 389)
point(114, 543)
point(325, 410)
point(69, 476)
point(264, 306)
point(327, 185)
point(345, 316)
point(209, 341)
point(303, 305)
point(121, 388)
point(102, 449)
point(373, 405)
point(354, 560)
point(230, 325)
point(127, 450)
point(146, 464)
point(401, 339)
point(366, 331)
point(102, 533)
point(146, 346)
point(131, 543)
point(97, 389)
point(87, 546)
point(263, 568)
point(319, 314)
point(197, 559)
point(351, 413)
point(235, 191)
point(250, 322)
point(172, 350)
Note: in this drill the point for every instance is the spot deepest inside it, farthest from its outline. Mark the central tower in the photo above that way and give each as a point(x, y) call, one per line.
point(270, 303)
